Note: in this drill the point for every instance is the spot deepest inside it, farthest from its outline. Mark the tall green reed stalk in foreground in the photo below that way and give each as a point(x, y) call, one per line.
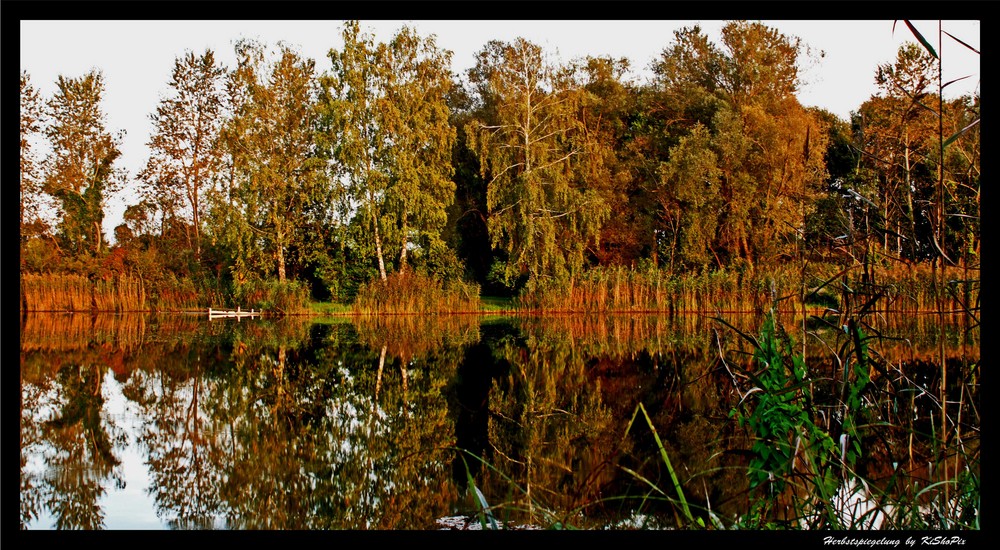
point(806, 448)
point(678, 489)
point(792, 454)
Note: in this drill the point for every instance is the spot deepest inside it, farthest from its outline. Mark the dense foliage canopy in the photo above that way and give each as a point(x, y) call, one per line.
point(525, 171)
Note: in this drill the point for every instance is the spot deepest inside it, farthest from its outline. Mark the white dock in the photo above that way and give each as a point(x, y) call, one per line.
point(231, 313)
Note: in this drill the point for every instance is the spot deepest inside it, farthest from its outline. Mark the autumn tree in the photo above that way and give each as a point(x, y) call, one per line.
point(541, 208)
point(899, 128)
point(31, 124)
point(612, 164)
point(184, 156)
point(274, 175)
point(390, 138)
point(768, 148)
point(81, 171)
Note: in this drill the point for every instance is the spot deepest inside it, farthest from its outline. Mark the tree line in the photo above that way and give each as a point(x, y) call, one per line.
point(523, 173)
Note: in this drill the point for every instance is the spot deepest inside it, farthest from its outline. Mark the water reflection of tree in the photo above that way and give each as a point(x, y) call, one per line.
point(550, 430)
point(77, 442)
point(187, 420)
point(416, 358)
point(561, 415)
point(300, 430)
point(295, 424)
point(34, 393)
point(179, 436)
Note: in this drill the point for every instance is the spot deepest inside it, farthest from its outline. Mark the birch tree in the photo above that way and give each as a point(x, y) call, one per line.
point(421, 139)
point(81, 171)
point(274, 172)
point(352, 92)
point(184, 154)
point(541, 210)
point(388, 121)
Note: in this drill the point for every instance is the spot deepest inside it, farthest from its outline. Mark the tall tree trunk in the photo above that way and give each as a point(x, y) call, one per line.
point(280, 254)
point(378, 243)
point(402, 254)
point(195, 216)
point(281, 263)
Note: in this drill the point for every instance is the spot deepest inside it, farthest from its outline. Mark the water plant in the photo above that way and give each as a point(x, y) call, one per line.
point(415, 292)
point(792, 454)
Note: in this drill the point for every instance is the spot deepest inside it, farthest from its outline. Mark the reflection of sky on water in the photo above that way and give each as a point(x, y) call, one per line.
point(127, 508)
point(131, 507)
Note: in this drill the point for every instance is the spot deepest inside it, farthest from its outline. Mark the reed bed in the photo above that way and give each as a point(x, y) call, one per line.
point(627, 290)
point(908, 289)
point(414, 292)
point(289, 297)
point(60, 292)
point(56, 292)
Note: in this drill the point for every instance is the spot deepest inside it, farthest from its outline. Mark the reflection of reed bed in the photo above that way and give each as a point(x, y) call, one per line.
point(925, 326)
point(409, 336)
point(618, 335)
point(69, 331)
point(45, 331)
point(621, 335)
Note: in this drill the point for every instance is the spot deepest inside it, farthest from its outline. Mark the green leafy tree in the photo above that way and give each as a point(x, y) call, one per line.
point(542, 209)
point(386, 110)
point(421, 138)
point(689, 197)
point(184, 154)
point(81, 171)
point(275, 175)
point(350, 104)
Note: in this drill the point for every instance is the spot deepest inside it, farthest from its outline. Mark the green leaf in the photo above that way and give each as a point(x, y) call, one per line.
point(921, 38)
point(960, 42)
point(958, 134)
point(670, 468)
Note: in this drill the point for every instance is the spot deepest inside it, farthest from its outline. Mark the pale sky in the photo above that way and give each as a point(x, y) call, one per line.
point(136, 56)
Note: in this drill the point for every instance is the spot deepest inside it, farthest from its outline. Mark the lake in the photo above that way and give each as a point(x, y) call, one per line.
point(175, 421)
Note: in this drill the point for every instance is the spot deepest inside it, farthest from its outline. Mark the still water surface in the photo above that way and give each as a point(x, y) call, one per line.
point(179, 422)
